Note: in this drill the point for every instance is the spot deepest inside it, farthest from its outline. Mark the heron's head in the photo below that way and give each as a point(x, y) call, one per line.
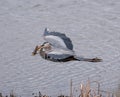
point(46, 46)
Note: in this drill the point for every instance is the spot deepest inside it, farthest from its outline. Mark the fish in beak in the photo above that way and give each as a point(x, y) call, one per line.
point(37, 48)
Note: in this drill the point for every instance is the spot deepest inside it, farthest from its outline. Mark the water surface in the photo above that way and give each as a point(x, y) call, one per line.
point(92, 25)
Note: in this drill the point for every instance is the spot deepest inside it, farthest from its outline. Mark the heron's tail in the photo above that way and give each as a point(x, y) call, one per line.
point(88, 59)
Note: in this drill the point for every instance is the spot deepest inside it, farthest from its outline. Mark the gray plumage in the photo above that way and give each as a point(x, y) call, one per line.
point(63, 37)
point(58, 48)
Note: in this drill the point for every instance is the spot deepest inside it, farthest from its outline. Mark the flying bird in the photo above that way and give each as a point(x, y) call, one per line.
point(58, 48)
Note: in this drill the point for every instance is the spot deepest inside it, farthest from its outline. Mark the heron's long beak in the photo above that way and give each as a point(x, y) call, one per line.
point(37, 48)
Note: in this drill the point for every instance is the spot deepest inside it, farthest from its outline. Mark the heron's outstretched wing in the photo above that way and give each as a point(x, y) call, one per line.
point(60, 54)
point(58, 39)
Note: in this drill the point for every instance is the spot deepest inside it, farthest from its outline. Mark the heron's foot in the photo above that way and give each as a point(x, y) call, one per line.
point(95, 60)
point(35, 50)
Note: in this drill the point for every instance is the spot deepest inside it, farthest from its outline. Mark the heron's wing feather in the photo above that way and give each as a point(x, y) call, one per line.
point(58, 40)
point(60, 54)
point(58, 57)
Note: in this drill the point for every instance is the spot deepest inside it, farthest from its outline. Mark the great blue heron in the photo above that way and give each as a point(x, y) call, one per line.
point(58, 48)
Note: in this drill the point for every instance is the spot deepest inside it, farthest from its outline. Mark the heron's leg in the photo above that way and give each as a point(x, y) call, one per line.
point(35, 50)
point(93, 59)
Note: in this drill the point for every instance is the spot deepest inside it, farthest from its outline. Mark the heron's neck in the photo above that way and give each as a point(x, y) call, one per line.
point(42, 53)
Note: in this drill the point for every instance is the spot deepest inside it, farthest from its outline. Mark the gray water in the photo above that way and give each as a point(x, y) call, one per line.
point(92, 25)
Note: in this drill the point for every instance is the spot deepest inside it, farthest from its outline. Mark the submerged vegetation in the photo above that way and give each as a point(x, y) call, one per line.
point(85, 90)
